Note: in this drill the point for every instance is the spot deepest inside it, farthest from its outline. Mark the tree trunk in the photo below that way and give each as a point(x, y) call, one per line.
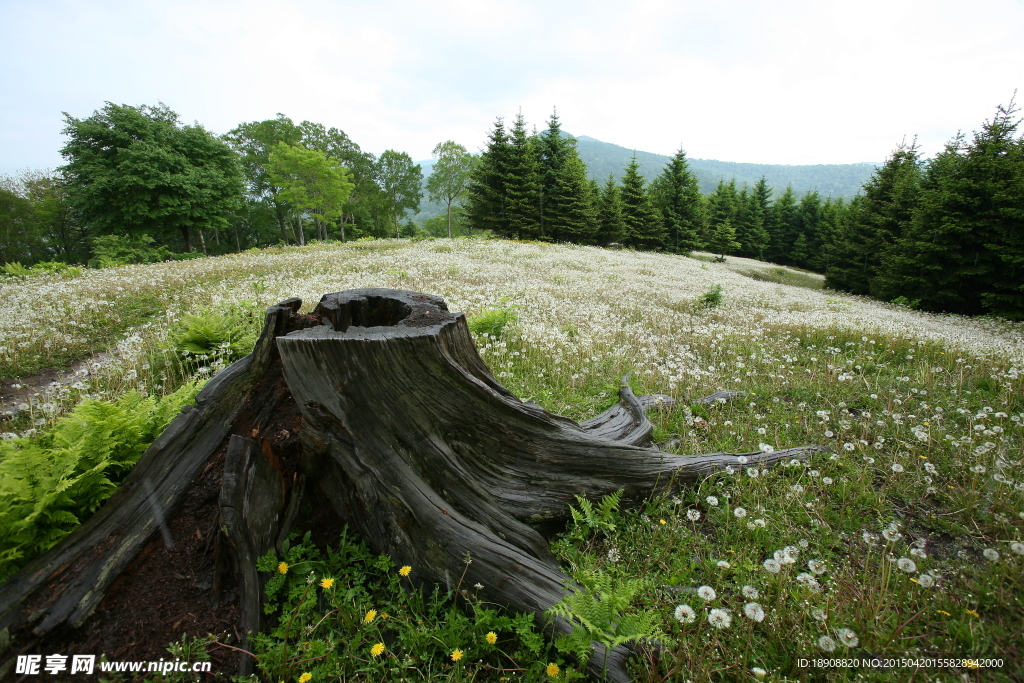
point(188, 238)
point(407, 434)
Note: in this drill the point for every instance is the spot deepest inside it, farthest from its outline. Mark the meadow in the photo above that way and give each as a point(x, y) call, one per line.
point(906, 541)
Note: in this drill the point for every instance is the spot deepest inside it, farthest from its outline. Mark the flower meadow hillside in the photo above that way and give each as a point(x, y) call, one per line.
point(905, 542)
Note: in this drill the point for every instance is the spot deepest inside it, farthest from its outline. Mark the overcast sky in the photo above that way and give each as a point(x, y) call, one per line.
point(798, 82)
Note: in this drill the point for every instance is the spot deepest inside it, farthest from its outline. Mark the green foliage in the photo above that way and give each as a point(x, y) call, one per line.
point(449, 176)
point(227, 333)
point(400, 181)
point(16, 270)
point(784, 276)
point(486, 194)
point(345, 614)
point(644, 227)
point(493, 321)
point(120, 250)
point(597, 612)
point(138, 169)
point(711, 298)
point(590, 520)
point(611, 221)
point(49, 484)
point(310, 181)
point(676, 194)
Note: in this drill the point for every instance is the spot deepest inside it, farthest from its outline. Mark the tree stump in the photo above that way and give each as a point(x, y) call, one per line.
point(407, 434)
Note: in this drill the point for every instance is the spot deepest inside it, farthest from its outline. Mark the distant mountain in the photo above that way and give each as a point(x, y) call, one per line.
point(837, 180)
point(602, 158)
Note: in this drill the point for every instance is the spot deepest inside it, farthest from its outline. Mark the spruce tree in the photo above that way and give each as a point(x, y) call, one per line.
point(554, 148)
point(723, 239)
point(782, 228)
point(875, 224)
point(644, 227)
point(611, 218)
point(750, 221)
point(963, 252)
point(676, 194)
point(522, 183)
point(724, 205)
point(808, 225)
point(486, 198)
point(576, 220)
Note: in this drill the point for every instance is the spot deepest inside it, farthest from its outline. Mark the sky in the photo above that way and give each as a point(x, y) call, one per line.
point(786, 82)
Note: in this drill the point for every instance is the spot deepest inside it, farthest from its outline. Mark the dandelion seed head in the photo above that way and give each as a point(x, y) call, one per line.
point(826, 644)
point(719, 618)
point(750, 592)
point(740, 512)
point(907, 565)
point(990, 554)
point(684, 614)
point(772, 566)
point(847, 638)
point(754, 611)
point(706, 593)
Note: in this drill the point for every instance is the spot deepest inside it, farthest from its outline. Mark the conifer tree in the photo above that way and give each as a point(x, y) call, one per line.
point(963, 250)
point(723, 239)
point(875, 224)
point(724, 204)
point(554, 148)
point(576, 220)
point(486, 197)
point(751, 232)
point(522, 183)
point(611, 220)
point(808, 224)
point(644, 228)
point(782, 228)
point(676, 194)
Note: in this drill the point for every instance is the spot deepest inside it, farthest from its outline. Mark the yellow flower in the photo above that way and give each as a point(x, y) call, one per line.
point(384, 615)
point(370, 616)
point(456, 654)
point(326, 583)
point(377, 650)
point(306, 677)
point(973, 613)
point(404, 571)
point(491, 637)
point(552, 670)
point(942, 611)
point(661, 521)
point(282, 568)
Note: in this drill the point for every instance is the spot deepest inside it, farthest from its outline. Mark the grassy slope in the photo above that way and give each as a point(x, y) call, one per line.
point(923, 411)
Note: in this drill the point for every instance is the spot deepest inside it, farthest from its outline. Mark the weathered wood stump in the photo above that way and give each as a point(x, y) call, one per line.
point(407, 434)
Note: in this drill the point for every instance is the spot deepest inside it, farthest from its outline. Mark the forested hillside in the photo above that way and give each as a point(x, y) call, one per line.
point(835, 180)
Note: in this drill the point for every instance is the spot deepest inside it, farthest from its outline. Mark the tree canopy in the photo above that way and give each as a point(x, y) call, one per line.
point(139, 170)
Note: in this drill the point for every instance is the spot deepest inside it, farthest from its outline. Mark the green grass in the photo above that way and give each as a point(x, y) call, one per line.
point(785, 276)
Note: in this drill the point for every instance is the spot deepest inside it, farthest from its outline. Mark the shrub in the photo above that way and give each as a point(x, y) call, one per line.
point(120, 250)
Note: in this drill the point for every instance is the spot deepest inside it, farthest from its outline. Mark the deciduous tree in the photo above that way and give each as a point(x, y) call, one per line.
point(450, 175)
point(401, 181)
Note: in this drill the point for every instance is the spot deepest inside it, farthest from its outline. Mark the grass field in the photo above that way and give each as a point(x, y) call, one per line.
point(907, 542)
